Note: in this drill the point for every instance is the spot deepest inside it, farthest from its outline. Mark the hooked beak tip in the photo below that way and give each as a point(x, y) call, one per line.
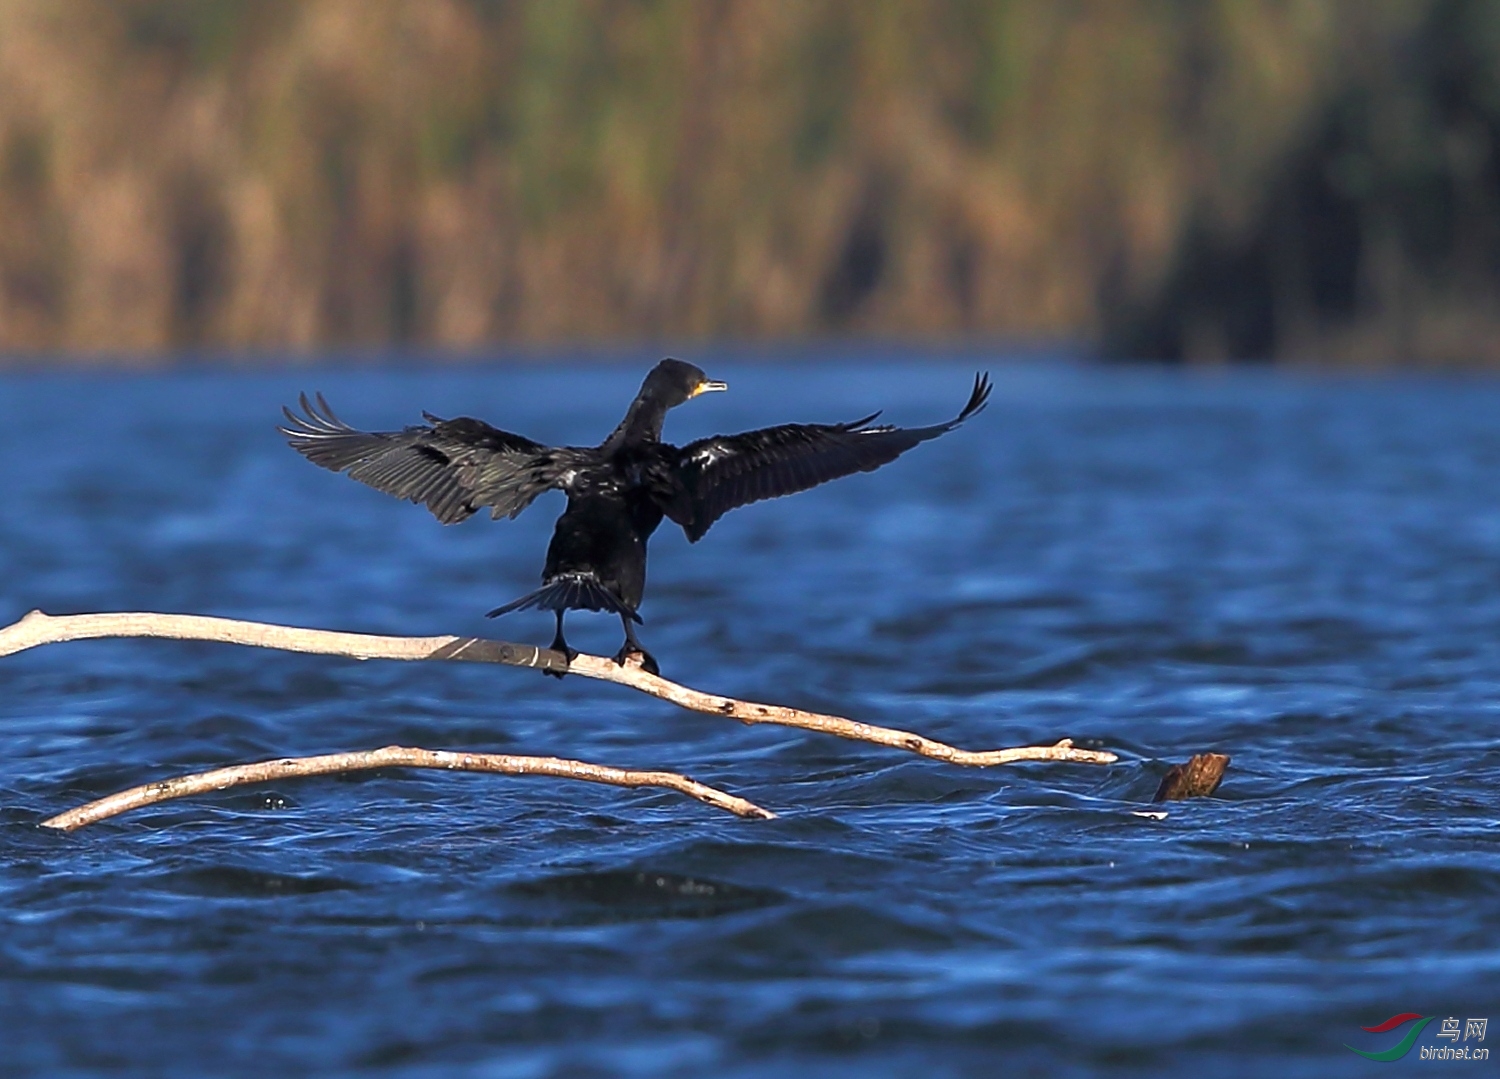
point(710, 386)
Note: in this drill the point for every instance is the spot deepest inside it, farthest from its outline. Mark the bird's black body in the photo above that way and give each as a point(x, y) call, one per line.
point(618, 492)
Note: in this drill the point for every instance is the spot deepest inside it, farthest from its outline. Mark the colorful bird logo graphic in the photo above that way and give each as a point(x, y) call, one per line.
point(1401, 1048)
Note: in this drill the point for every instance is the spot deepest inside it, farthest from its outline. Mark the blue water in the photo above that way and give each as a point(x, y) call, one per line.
point(1302, 572)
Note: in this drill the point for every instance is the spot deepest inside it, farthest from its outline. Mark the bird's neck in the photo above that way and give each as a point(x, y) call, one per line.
point(642, 423)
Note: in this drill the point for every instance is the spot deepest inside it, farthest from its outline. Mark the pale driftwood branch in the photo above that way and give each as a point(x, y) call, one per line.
point(393, 757)
point(38, 629)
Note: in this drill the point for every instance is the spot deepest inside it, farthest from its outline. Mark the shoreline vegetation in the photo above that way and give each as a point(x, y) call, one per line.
point(1228, 180)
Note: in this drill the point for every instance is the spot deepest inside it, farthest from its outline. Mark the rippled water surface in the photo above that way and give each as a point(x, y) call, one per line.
point(1301, 572)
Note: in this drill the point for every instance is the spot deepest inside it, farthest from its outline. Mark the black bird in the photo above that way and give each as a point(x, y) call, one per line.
point(617, 491)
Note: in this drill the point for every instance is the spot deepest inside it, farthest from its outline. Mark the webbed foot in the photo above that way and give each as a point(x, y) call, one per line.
point(561, 645)
point(648, 661)
point(632, 647)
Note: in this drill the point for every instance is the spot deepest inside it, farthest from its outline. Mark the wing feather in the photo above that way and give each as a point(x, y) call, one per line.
point(453, 467)
point(727, 471)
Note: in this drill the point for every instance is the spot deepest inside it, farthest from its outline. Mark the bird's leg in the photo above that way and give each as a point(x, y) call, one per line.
point(560, 644)
point(633, 647)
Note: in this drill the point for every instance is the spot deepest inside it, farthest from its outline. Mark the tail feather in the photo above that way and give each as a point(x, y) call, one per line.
point(571, 592)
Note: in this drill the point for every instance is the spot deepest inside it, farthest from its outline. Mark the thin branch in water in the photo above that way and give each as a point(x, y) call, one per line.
point(37, 628)
point(393, 757)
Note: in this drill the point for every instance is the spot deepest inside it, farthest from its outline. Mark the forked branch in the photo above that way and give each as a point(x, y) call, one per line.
point(392, 757)
point(38, 629)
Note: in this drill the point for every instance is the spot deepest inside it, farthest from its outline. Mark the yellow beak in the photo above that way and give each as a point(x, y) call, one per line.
point(708, 385)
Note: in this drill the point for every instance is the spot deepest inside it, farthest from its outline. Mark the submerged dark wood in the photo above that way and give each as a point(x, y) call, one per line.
point(1198, 778)
point(618, 492)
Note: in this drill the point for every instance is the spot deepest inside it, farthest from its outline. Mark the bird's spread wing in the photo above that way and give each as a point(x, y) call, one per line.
point(721, 473)
point(453, 467)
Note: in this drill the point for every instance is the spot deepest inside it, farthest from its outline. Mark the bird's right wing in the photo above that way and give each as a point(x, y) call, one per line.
point(721, 473)
point(453, 467)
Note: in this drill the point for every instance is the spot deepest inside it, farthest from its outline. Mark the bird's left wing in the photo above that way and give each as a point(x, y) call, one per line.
point(453, 467)
point(727, 471)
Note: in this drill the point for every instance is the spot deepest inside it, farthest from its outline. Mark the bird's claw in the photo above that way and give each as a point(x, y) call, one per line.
point(646, 663)
point(569, 654)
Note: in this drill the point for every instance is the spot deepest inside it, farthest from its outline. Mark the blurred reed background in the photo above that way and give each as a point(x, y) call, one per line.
point(1170, 180)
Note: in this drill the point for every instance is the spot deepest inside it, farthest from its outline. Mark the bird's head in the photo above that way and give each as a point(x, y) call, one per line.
point(672, 382)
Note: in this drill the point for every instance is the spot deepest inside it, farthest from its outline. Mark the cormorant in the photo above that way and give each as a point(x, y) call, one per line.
point(617, 492)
